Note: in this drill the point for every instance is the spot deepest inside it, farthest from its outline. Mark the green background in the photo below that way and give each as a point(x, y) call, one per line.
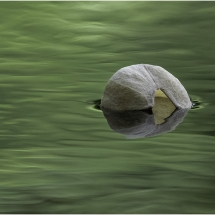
point(57, 153)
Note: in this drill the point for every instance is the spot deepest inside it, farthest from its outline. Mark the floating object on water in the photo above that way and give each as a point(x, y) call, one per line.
point(135, 87)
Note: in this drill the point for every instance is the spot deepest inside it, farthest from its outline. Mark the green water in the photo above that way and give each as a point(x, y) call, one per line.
point(57, 153)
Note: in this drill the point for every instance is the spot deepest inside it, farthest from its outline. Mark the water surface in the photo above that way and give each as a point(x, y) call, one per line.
point(58, 154)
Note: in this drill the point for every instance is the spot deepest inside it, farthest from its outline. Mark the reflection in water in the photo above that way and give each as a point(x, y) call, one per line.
point(163, 117)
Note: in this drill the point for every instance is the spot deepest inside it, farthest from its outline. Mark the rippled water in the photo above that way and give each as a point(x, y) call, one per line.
point(58, 154)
